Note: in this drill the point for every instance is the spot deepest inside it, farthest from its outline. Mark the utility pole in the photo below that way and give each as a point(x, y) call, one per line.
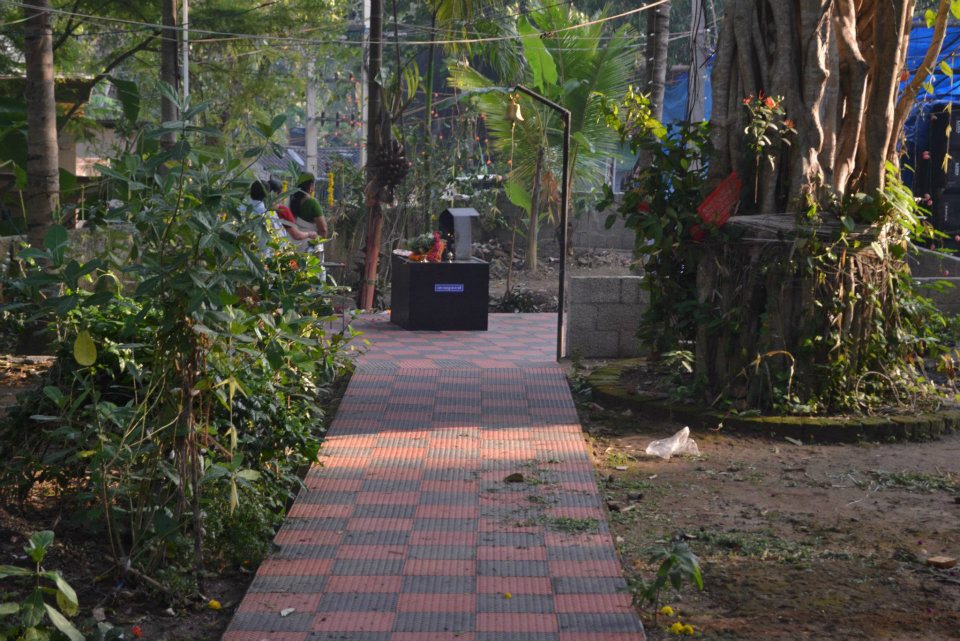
point(697, 75)
point(364, 61)
point(186, 50)
point(311, 129)
point(168, 64)
point(374, 125)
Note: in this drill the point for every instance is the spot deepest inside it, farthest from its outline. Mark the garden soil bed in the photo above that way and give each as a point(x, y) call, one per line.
point(795, 541)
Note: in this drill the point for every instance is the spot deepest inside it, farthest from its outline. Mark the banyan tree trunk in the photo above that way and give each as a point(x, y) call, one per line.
point(836, 65)
point(783, 323)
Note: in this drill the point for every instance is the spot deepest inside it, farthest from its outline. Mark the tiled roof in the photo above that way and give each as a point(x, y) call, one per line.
point(270, 164)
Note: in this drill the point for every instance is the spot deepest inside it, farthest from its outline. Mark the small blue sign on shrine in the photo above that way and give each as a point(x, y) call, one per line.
point(448, 288)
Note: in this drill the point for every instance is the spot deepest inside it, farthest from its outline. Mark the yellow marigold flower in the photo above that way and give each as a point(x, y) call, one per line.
point(507, 595)
point(666, 611)
point(688, 630)
point(677, 628)
point(213, 604)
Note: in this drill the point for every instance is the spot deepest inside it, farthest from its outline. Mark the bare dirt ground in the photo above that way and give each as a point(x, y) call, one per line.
point(795, 542)
point(539, 288)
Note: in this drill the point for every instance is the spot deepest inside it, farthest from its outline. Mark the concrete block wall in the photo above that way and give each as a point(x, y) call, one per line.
point(604, 315)
point(590, 232)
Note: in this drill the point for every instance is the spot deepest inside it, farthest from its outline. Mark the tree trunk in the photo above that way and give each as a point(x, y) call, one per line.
point(836, 65)
point(696, 87)
point(531, 263)
point(658, 41)
point(655, 72)
point(169, 64)
point(43, 160)
point(375, 122)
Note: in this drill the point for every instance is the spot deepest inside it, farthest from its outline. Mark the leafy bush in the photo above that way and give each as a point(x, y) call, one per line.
point(28, 617)
point(190, 373)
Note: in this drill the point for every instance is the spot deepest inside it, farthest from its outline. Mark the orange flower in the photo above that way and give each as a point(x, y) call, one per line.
point(747, 100)
point(770, 103)
point(293, 264)
point(137, 631)
point(788, 123)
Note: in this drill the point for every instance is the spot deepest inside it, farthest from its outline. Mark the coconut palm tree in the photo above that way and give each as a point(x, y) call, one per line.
point(575, 66)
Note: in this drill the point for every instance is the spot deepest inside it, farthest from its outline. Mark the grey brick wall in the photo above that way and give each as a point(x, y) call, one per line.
point(604, 314)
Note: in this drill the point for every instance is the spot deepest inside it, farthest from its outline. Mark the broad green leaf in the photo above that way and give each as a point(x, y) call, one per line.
point(518, 195)
point(955, 8)
point(928, 87)
point(84, 350)
point(541, 63)
point(946, 69)
point(61, 623)
point(53, 393)
point(39, 544)
point(930, 16)
point(128, 93)
point(66, 597)
point(31, 610)
point(6, 609)
point(56, 241)
point(35, 634)
point(277, 122)
point(234, 496)
point(65, 605)
point(170, 94)
point(582, 139)
point(13, 570)
point(196, 109)
point(249, 475)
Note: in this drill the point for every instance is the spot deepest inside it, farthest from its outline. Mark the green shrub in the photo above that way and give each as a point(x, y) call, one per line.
point(190, 375)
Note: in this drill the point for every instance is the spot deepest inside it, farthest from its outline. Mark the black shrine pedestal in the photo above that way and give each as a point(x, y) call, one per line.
point(440, 296)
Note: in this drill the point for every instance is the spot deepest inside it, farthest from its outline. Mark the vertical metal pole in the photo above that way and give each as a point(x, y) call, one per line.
point(564, 199)
point(310, 132)
point(186, 50)
point(364, 61)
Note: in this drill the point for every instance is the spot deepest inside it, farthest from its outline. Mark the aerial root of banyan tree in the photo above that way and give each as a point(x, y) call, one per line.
point(832, 62)
point(788, 330)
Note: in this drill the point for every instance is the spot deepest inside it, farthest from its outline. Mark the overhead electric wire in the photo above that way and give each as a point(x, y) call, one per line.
point(339, 41)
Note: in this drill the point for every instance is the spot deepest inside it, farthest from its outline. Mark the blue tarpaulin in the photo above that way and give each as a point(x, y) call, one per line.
point(946, 90)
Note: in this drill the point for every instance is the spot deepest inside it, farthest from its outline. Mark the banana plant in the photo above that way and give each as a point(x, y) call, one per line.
point(575, 66)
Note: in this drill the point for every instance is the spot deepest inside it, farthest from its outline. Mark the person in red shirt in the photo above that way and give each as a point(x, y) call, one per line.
point(288, 219)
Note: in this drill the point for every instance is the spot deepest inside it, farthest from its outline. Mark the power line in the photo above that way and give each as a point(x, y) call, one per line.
point(226, 35)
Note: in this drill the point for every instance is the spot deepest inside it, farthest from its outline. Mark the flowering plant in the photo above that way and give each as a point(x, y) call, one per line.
point(768, 125)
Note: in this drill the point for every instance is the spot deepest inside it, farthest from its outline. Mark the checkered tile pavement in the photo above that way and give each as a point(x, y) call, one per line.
point(408, 529)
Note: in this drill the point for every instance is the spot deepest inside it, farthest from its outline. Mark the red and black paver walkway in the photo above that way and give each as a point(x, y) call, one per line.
point(454, 500)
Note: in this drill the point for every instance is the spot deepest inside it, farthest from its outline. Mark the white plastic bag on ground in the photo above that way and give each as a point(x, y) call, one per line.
point(677, 445)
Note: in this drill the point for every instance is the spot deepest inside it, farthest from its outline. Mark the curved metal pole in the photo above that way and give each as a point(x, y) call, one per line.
point(564, 197)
